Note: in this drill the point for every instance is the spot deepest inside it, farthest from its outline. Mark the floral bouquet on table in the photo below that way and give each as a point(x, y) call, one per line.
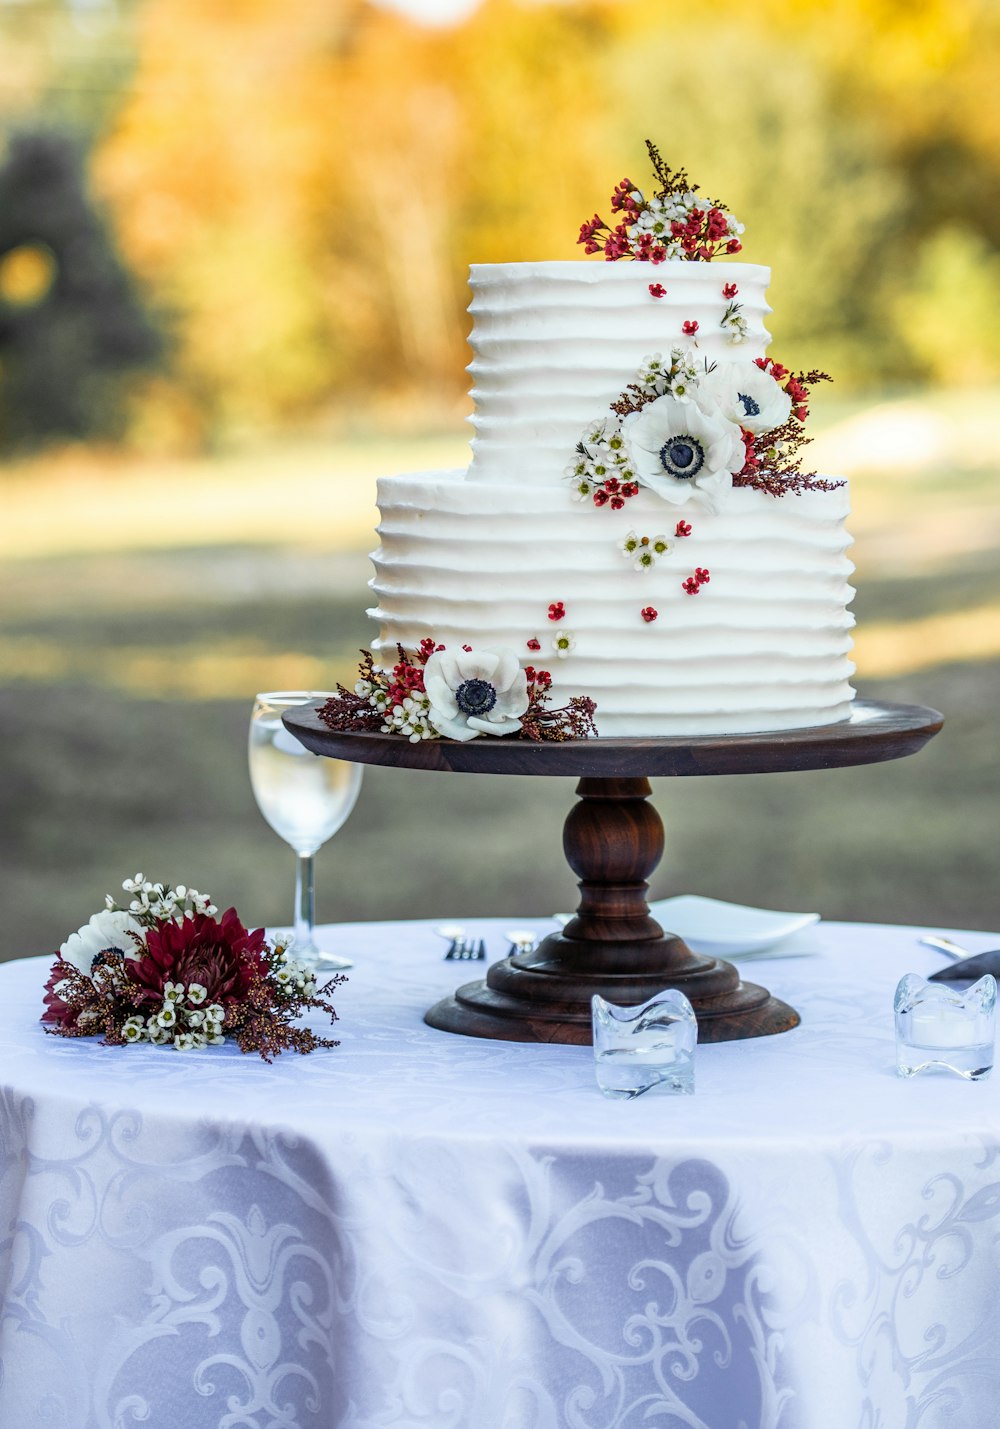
point(168, 970)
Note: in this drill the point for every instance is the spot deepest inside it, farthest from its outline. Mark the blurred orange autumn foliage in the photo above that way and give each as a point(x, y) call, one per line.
point(301, 184)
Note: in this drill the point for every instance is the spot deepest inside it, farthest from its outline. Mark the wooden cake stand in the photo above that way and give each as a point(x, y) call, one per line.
point(613, 840)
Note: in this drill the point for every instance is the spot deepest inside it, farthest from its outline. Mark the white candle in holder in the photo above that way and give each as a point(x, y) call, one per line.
point(943, 1027)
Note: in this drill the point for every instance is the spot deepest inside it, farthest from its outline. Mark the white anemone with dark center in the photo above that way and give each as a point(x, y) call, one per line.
point(683, 452)
point(106, 931)
point(473, 692)
point(745, 394)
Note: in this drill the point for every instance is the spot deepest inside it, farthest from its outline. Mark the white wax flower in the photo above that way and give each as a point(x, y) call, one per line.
point(473, 692)
point(746, 395)
point(105, 931)
point(682, 452)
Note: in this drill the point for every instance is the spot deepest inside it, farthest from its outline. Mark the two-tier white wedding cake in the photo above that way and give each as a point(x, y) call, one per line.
point(478, 557)
point(635, 518)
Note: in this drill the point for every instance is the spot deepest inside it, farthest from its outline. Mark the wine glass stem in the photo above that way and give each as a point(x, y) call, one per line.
point(305, 904)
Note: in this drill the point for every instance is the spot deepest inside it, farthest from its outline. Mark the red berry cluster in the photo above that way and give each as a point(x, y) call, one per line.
point(538, 680)
point(649, 614)
point(694, 583)
point(615, 493)
point(703, 232)
point(406, 679)
point(426, 649)
point(795, 386)
point(683, 528)
point(557, 610)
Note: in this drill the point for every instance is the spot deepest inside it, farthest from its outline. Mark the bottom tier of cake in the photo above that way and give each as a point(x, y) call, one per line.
point(739, 625)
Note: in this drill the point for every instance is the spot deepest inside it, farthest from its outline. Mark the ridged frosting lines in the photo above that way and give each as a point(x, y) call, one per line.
point(764, 646)
point(555, 343)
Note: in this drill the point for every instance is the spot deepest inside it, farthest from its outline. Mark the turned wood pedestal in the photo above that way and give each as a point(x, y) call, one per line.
point(613, 840)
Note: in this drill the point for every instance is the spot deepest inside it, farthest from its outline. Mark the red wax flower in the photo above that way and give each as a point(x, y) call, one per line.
point(557, 610)
point(689, 328)
point(691, 586)
point(534, 644)
point(222, 956)
point(683, 528)
point(649, 614)
point(467, 648)
point(601, 497)
point(730, 290)
point(701, 575)
point(617, 502)
point(657, 290)
point(734, 245)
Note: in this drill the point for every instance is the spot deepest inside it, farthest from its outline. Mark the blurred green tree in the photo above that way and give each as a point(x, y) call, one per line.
point(73, 329)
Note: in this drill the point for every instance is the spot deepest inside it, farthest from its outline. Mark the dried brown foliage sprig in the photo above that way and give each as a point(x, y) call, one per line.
point(774, 464)
point(671, 181)
point(574, 720)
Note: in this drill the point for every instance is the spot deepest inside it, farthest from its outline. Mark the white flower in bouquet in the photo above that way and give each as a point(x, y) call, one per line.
point(106, 931)
point(682, 452)
point(473, 692)
point(746, 395)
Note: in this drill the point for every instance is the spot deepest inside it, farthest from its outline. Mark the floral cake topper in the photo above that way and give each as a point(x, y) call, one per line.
point(674, 222)
point(167, 970)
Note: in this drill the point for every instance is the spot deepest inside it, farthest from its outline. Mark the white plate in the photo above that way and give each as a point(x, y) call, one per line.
point(720, 929)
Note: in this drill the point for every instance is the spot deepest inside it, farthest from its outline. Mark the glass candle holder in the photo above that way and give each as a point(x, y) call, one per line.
point(939, 1028)
point(639, 1049)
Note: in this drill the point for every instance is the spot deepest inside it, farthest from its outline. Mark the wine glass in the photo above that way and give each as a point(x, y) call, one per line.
point(305, 798)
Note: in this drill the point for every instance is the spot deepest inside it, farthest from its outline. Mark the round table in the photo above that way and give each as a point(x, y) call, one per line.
point(418, 1229)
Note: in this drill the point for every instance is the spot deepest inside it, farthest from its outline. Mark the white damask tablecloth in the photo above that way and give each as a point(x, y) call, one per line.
point(417, 1229)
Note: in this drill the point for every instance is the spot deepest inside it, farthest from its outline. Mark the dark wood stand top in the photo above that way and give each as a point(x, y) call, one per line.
point(873, 733)
point(613, 840)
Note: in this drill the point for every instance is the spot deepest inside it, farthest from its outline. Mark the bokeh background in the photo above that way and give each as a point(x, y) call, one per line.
point(234, 237)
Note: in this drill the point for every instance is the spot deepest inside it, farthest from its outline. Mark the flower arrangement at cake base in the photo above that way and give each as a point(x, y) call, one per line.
point(440, 694)
point(169, 971)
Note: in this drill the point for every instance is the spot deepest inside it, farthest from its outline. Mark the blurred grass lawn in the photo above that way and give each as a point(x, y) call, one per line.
point(145, 605)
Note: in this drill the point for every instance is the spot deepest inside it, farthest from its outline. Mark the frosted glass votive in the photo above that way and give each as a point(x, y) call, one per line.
point(639, 1049)
point(940, 1028)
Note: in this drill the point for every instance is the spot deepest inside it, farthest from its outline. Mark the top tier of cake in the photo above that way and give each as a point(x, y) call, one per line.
point(556, 343)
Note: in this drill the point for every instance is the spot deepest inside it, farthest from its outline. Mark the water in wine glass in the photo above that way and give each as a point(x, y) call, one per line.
point(305, 798)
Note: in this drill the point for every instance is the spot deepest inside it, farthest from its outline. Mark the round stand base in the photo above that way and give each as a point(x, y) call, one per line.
point(521, 1002)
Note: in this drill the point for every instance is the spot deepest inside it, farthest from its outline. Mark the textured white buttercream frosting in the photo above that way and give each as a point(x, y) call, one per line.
point(763, 647)
point(476, 557)
point(555, 344)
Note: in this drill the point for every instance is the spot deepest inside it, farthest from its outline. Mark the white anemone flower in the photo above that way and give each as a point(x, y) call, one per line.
point(682, 452)
point(746, 395)
point(473, 692)
point(105, 931)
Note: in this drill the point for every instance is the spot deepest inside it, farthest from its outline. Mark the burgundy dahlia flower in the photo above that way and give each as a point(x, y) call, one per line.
point(220, 955)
